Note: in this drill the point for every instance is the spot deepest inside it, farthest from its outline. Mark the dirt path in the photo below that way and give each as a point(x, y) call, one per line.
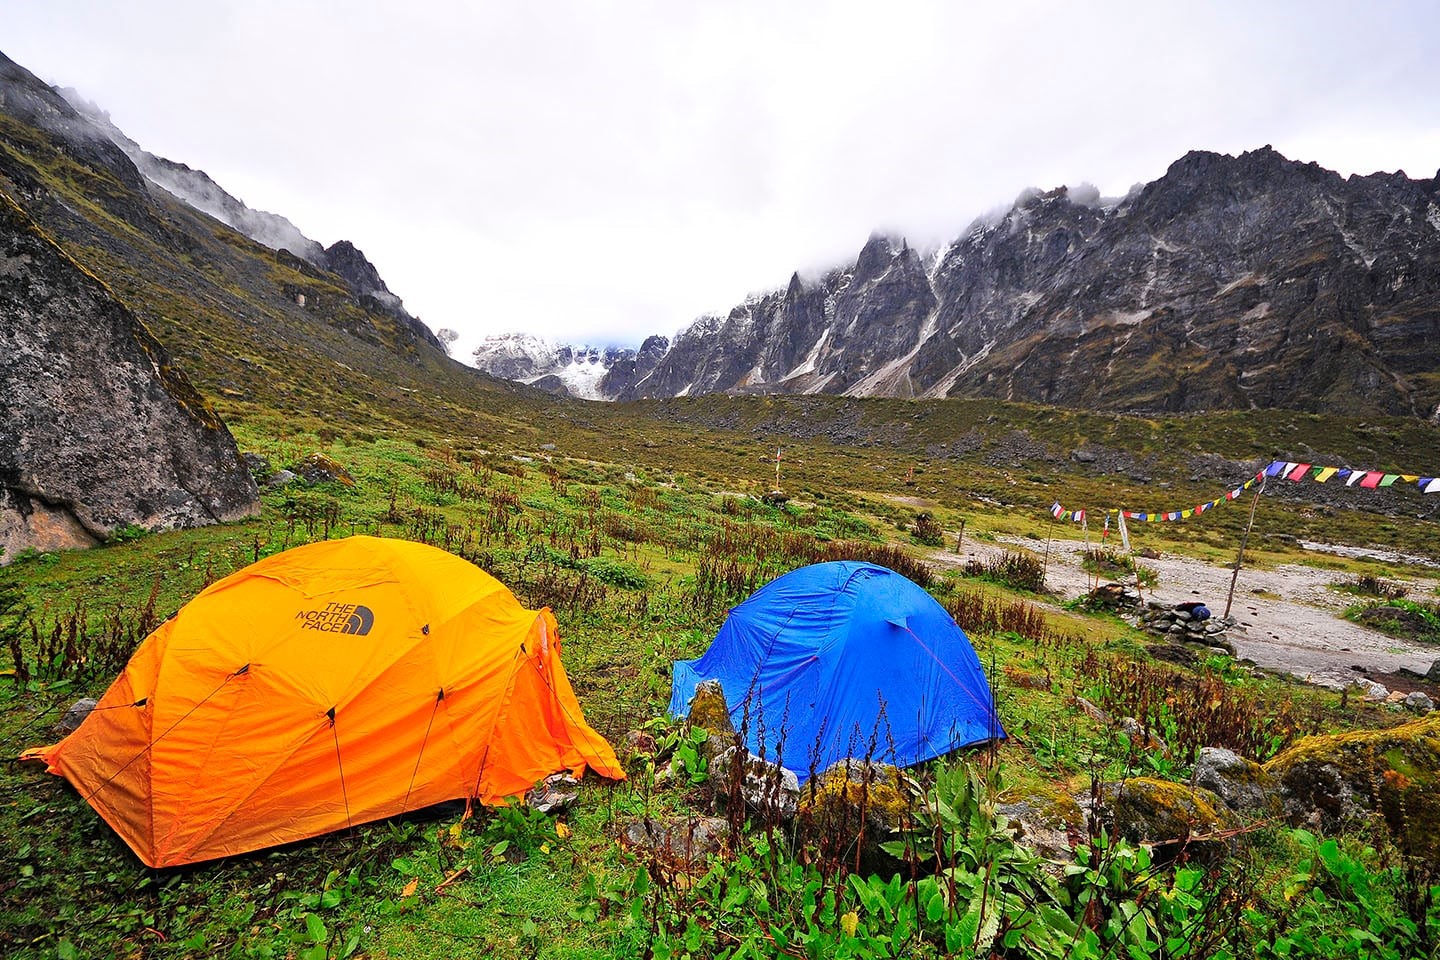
point(1289, 617)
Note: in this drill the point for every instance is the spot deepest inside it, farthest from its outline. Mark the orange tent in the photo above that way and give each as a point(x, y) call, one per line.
point(330, 685)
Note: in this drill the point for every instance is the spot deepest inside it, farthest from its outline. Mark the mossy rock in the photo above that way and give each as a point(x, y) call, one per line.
point(318, 468)
point(855, 805)
point(1171, 815)
point(1327, 781)
point(1045, 818)
point(709, 711)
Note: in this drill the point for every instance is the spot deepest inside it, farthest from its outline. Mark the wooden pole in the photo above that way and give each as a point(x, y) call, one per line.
point(1130, 547)
point(1244, 539)
point(959, 540)
point(1045, 567)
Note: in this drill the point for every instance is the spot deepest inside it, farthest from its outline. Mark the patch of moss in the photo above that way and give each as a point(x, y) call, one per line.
point(1395, 772)
point(1147, 809)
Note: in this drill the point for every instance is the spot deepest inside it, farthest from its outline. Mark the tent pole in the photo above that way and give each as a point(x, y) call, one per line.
point(1244, 539)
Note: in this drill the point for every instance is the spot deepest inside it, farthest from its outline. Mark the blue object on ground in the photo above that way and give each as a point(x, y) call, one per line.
point(842, 659)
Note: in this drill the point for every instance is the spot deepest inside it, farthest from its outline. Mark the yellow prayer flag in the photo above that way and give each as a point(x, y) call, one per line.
point(1326, 473)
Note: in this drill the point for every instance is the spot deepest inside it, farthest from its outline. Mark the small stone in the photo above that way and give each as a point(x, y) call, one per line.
point(1141, 737)
point(1094, 712)
point(556, 792)
point(1418, 702)
point(281, 478)
point(1372, 691)
point(709, 710)
point(75, 716)
point(639, 743)
point(1434, 675)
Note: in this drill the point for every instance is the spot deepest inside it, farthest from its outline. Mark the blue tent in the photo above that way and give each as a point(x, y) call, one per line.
point(810, 658)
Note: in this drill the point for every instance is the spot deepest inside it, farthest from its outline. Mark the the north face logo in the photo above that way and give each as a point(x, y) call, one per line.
point(349, 618)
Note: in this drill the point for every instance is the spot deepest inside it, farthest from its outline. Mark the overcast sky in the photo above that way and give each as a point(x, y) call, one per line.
point(597, 172)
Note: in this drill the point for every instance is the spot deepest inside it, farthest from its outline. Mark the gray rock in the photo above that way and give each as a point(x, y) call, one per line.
point(1140, 737)
point(1434, 673)
point(766, 788)
point(318, 468)
point(682, 841)
point(256, 464)
point(281, 478)
point(1242, 784)
point(1372, 691)
point(857, 802)
point(1049, 824)
point(1418, 702)
point(98, 429)
point(1146, 810)
point(709, 710)
point(75, 716)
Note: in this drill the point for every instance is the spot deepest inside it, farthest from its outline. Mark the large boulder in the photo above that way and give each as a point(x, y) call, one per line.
point(98, 430)
point(1327, 781)
point(1169, 815)
point(856, 805)
point(1241, 784)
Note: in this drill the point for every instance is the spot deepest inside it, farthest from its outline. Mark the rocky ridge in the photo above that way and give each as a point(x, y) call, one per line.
point(1228, 283)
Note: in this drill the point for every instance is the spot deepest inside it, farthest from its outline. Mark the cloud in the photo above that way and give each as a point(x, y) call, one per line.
point(599, 173)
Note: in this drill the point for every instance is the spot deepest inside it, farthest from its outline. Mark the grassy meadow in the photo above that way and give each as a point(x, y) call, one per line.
point(640, 527)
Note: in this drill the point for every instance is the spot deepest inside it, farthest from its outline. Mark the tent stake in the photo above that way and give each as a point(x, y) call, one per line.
point(1244, 539)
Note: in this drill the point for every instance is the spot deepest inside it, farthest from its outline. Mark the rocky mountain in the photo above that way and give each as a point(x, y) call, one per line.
point(1229, 283)
point(97, 429)
point(578, 371)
